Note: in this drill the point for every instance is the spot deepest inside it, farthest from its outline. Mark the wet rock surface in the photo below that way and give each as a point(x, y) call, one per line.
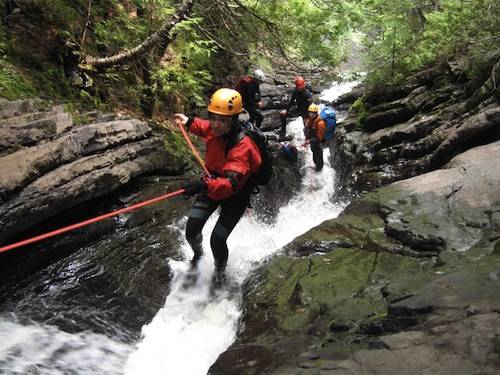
point(53, 165)
point(402, 131)
point(109, 278)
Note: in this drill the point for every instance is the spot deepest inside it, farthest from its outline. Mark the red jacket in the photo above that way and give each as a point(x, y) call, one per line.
point(244, 159)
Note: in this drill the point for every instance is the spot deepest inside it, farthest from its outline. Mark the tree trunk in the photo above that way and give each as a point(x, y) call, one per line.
point(136, 53)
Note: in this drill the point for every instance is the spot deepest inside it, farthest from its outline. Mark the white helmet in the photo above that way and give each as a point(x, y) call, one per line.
point(259, 74)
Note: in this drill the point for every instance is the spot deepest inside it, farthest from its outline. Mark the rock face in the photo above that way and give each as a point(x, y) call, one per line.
point(275, 96)
point(105, 277)
point(110, 277)
point(48, 164)
point(402, 131)
point(365, 306)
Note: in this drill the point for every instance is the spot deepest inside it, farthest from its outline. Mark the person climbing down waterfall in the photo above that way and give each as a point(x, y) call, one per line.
point(301, 98)
point(249, 88)
point(232, 158)
point(314, 131)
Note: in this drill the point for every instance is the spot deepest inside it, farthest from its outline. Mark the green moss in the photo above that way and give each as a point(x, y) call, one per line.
point(80, 119)
point(175, 143)
point(343, 285)
point(496, 248)
point(13, 85)
point(359, 108)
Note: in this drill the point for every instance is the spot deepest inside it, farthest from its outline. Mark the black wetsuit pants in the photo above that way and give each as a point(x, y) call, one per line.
point(231, 211)
point(317, 151)
point(256, 116)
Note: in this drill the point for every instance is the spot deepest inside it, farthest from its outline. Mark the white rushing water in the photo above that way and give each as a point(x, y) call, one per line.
point(193, 328)
point(46, 350)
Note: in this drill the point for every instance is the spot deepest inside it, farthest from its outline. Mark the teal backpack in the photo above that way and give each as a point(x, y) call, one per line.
point(329, 116)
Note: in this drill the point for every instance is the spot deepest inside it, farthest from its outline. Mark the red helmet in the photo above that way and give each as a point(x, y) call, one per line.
point(300, 82)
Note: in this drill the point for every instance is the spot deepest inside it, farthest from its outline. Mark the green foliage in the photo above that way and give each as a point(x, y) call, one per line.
point(12, 84)
point(403, 36)
point(313, 32)
point(182, 80)
point(178, 75)
point(123, 30)
point(175, 143)
point(359, 108)
point(400, 36)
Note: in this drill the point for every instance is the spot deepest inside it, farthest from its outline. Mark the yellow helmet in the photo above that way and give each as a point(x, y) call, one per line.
point(225, 102)
point(313, 108)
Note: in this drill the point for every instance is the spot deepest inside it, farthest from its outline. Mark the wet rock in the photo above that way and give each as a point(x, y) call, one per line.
point(412, 129)
point(31, 128)
point(109, 278)
point(283, 186)
point(403, 340)
point(451, 208)
point(310, 355)
point(56, 165)
point(9, 109)
point(350, 97)
point(495, 275)
point(383, 277)
point(307, 364)
point(337, 326)
point(387, 118)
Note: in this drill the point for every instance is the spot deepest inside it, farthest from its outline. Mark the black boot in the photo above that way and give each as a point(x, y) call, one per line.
point(193, 264)
point(192, 273)
point(219, 279)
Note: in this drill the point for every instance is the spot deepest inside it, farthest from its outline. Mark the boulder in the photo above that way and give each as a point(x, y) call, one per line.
point(417, 128)
point(406, 273)
point(49, 165)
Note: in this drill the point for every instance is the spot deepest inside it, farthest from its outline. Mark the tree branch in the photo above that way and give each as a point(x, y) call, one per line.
point(138, 52)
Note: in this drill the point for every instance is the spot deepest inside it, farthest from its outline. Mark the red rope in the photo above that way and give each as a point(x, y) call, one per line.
point(90, 221)
point(193, 149)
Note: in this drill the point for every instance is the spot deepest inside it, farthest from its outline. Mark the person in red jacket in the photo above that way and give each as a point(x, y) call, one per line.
point(249, 88)
point(232, 158)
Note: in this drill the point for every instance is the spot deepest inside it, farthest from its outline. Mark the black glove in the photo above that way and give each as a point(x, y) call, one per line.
point(195, 187)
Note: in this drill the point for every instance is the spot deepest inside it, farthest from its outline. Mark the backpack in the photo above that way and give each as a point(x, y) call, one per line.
point(329, 116)
point(265, 172)
point(289, 151)
point(242, 83)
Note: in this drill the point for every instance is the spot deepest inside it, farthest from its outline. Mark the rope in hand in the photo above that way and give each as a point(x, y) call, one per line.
point(193, 149)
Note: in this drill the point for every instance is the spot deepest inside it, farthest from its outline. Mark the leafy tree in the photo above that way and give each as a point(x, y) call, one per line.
point(402, 36)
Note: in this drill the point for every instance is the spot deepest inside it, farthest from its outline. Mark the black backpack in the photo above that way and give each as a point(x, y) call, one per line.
point(265, 172)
